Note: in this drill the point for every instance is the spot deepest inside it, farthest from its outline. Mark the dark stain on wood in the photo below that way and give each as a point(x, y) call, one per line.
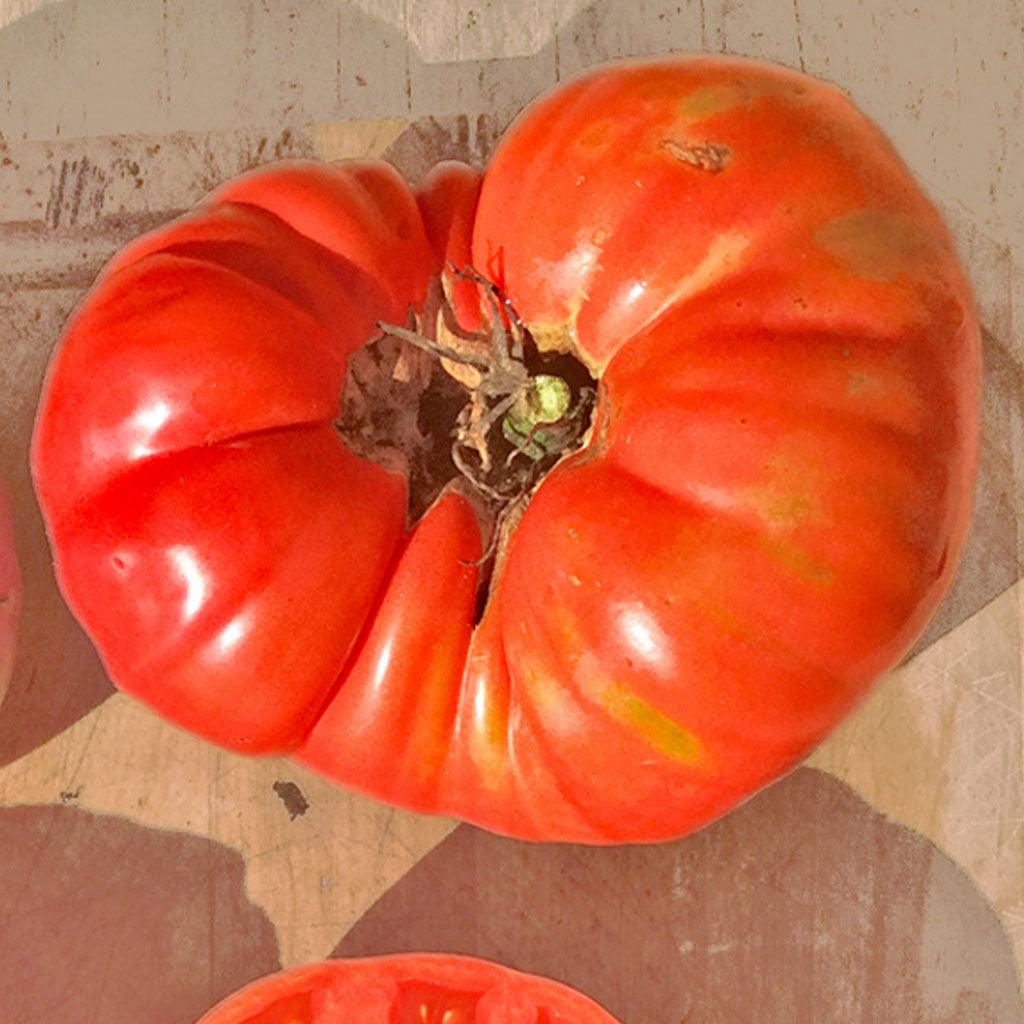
point(294, 800)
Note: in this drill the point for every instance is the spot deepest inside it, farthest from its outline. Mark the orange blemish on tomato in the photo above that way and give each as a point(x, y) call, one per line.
point(657, 729)
point(788, 509)
point(483, 716)
point(784, 502)
point(728, 621)
point(710, 100)
point(797, 561)
point(598, 137)
point(861, 384)
point(874, 244)
point(548, 696)
point(435, 709)
point(779, 507)
point(784, 497)
point(623, 705)
point(488, 741)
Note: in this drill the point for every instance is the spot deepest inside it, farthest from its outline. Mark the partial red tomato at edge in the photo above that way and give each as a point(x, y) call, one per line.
point(10, 594)
point(663, 454)
point(418, 988)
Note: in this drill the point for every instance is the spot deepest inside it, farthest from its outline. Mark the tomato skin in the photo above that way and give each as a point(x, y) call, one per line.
point(10, 594)
point(771, 504)
point(417, 988)
point(201, 506)
point(565, 221)
point(447, 198)
point(388, 725)
point(213, 587)
point(780, 484)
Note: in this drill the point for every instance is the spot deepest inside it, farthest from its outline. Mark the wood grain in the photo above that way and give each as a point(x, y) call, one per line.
point(803, 907)
point(113, 116)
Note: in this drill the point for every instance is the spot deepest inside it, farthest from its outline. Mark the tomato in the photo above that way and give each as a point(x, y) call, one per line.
point(419, 988)
point(714, 335)
point(10, 594)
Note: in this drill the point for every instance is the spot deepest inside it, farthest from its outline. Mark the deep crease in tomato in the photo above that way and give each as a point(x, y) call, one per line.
point(513, 414)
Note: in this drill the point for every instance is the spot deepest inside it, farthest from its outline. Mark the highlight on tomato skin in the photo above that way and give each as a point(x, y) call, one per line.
point(578, 498)
point(415, 988)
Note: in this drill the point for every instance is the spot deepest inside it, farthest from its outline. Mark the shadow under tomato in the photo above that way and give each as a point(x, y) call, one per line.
point(104, 920)
point(58, 677)
point(805, 906)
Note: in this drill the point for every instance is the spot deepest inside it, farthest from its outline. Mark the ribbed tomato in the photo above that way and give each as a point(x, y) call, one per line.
point(732, 373)
point(420, 988)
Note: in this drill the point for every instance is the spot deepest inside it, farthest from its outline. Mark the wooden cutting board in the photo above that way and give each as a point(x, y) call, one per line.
point(144, 874)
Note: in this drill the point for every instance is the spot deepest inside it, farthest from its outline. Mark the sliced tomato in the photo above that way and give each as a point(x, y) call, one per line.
point(420, 988)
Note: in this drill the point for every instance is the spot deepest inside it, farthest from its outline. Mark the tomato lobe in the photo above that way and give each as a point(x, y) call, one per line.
point(700, 316)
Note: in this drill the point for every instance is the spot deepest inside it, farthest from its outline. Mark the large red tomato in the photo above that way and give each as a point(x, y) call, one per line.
point(10, 594)
point(691, 588)
point(420, 988)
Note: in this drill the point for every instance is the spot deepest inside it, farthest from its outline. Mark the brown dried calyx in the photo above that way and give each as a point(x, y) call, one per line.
point(487, 406)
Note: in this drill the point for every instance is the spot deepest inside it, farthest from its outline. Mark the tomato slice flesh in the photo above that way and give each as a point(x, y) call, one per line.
point(422, 1003)
point(415, 1002)
point(417, 988)
point(293, 1010)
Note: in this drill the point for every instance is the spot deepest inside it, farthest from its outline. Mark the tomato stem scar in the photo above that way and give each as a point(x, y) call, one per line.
point(524, 409)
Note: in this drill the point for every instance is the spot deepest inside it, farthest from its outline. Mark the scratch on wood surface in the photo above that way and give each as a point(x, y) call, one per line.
point(77, 194)
point(94, 724)
point(556, 42)
point(338, 36)
point(799, 34)
point(408, 59)
point(56, 200)
point(165, 59)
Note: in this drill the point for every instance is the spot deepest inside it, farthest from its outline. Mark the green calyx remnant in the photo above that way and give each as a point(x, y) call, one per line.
point(544, 401)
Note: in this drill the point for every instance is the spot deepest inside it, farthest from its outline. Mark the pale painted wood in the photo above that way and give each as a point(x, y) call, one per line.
point(938, 747)
point(946, 81)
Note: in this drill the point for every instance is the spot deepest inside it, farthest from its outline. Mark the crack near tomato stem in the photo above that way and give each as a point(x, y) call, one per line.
point(524, 410)
point(486, 407)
